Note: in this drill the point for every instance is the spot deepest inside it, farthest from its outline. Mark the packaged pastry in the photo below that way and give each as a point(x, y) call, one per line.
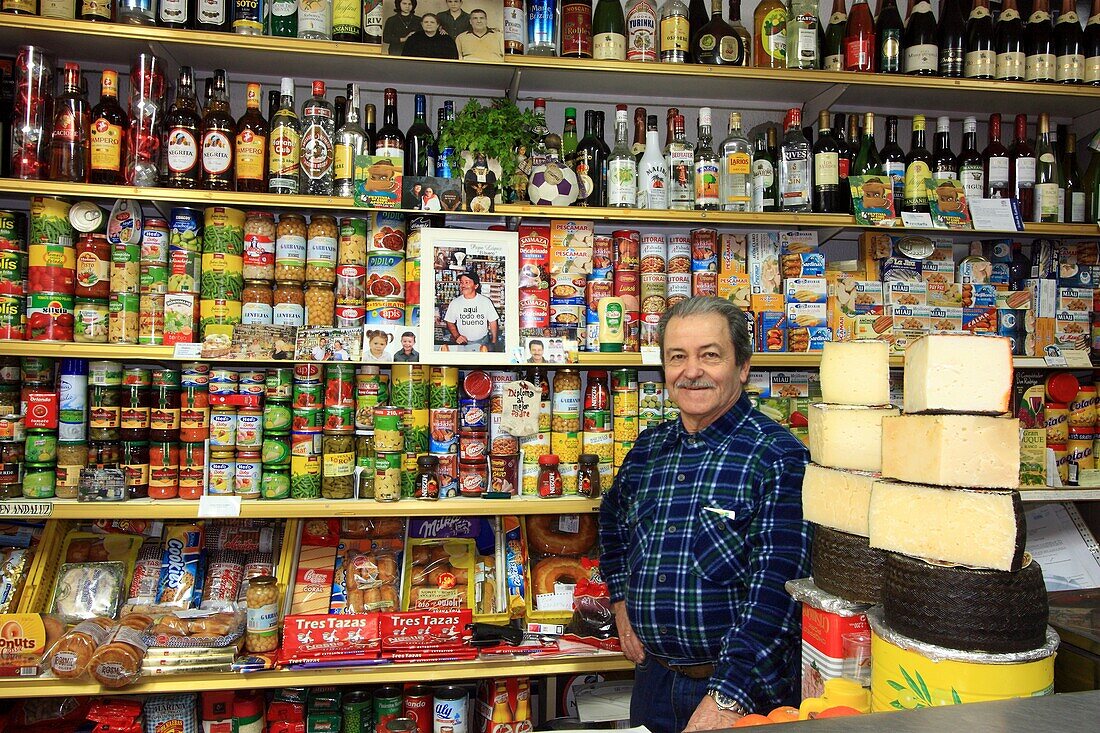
point(91, 547)
point(87, 589)
point(515, 566)
point(316, 570)
point(180, 574)
point(26, 637)
point(365, 580)
point(364, 528)
point(151, 528)
point(14, 563)
point(117, 663)
point(439, 574)
point(244, 535)
point(146, 578)
point(70, 656)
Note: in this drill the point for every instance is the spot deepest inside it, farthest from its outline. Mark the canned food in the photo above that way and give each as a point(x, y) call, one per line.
point(39, 480)
point(90, 321)
point(473, 414)
point(191, 470)
point(100, 373)
point(249, 429)
point(223, 381)
point(351, 284)
point(12, 323)
point(387, 430)
point(164, 469)
point(305, 477)
point(123, 312)
point(352, 248)
point(49, 317)
point(87, 216)
point(222, 276)
point(278, 383)
point(195, 374)
point(151, 319)
point(277, 418)
point(385, 312)
point(223, 427)
point(13, 271)
point(308, 419)
point(387, 232)
point(218, 313)
point(49, 221)
point(308, 396)
point(13, 230)
point(154, 240)
point(40, 447)
point(259, 246)
point(472, 445)
point(443, 430)
point(223, 230)
point(135, 464)
point(307, 373)
point(184, 270)
point(387, 475)
point(51, 268)
point(153, 278)
point(185, 228)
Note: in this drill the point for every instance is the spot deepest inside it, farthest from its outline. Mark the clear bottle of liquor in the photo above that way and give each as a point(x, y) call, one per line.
point(735, 178)
point(653, 172)
point(136, 12)
point(680, 158)
point(315, 19)
point(641, 30)
point(707, 164)
point(795, 178)
point(318, 131)
point(765, 186)
point(351, 140)
point(622, 169)
point(284, 148)
point(218, 132)
point(419, 141)
point(803, 30)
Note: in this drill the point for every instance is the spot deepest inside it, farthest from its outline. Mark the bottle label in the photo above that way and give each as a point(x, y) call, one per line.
point(346, 17)
point(250, 155)
point(313, 18)
point(794, 183)
point(1077, 207)
point(343, 163)
point(1007, 15)
point(653, 181)
point(20, 6)
point(217, 152)
point(806, 55)
point(737, 183)
point(826, 169)
point(284, 152)
point(921, 57)
point(675, 34)
point(833, 62)
point(372, 21)
point(1046, 202)
point(998, 172)
point(339, 464)
point(1011, 65)
point(641, 29)
point(915, 175)
point(980, 63)
point(951, 61)
point(610, 46)
point(64, 127)
point(622, 186)
point(515, 30)
point(774, 34)
point(1025, 172)
point(57, 9)
point(838, 18)
point(1071, 67)
point(211, 12)
point(738, 164)
point(96, 8)
point(173, 11)
point(890, 57)
point(1039, 16)
point(284, 8)
point(973, 181)
point(256, 313)
point(763, 178)
point(706, 183)
point(979, 12)
point(1092, 69)
point(106, 145)
point(858, 53)
point(1040, 66)
point(576, 29)
point(681, 167)
point(183, 150)
point(318, 154)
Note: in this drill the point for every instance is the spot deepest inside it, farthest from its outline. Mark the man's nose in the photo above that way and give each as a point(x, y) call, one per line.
point(693, 368)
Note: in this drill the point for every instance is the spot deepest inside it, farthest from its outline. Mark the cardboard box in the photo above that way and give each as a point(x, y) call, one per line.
point(790, 384)
point(933, 271)
point(1044, 297)
point(808, 339)
point(764, 275)
point(733, 253)
point(1073, 330)
point(945, 320)
point(1018, 300)
point(770, 331)
point(805, 290)
point(767, 302)
point(807, 315)
point(910, 317)
point(901, 268)
point(803, 264)
point(978, 295)
point(905, 293)
point(734, 287)
point(794, 241)
point(571, 246)
point(500, 705)
point(980, 320)
point(1077, 300)
point(534, 257)
point(945, 295)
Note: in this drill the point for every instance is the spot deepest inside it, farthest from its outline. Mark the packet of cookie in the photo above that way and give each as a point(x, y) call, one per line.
point(180, 570)
point(515, 566)
point(224, 573)
point(146, 578)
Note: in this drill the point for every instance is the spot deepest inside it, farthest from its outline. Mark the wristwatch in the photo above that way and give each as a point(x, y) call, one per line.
point(727, 703)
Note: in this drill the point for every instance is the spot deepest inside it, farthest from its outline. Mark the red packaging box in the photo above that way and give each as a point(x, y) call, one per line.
point(534, 308)
point(534, 257)
point(425, 631)
point(40, 410)
point(316, 637)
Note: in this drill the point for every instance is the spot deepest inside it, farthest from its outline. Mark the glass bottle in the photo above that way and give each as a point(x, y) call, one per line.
point(765, 186)
point(369, 129)
point(137, 12)
point(315, 19)
point(952, 38)
point(1039, 44)
point(576, 29)
point(351, 140)
point(588, 476)
point(1092, 181)
point(1023, 168)
point(803, 29)
point(318, 131)
point(637, 148)
point(174, 14)
point(549, 484)
point(390, 141)
point(1069, 46)
point(922, 50)
point(795, 174)
point(716, 42)
point(97, 10)
point(770, 26)
point(589, 163)
point(213, 15)
point(970, 165)
point(918, 168)
point(107, 141)
point(542, 28)
point(652, 170)
point(707, 165)
point(1074, 206)
point(834, 37)
point(867, 162)
point(251, 145)
point(347, 20)
point(372, 21)
point(826, 152)
point(996, 163)
point(1049, 186)
point(622, 170)
point(284, 18)
point(69, 137)
point(943, 160)
point(981, 47)
point(859, 40)
point(218, 131)
point(743, 33)
point(514, 28)
point(735, 179)
point(641, 30)
point(680, 159)
point(183, 126)
point(675, 32)
point(889, 30)
point(60, 9)
point(893, 162)
point(426, 483)
point(419, 141)
point(568, 138)
point(698, 16)
point(609, 31)
point(1092, 45)
point(284, 148)
point(1008, 34)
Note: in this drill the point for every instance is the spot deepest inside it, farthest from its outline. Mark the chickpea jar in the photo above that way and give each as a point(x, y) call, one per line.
point(290, 248)
point(259, 246)
point(321, 249)
point(320, 304)
point(262, 598)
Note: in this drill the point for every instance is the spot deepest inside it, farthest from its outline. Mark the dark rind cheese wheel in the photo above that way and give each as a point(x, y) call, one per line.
point(965, 608)
point(846, 566)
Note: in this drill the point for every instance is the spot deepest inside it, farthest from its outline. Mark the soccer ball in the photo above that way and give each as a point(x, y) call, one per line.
point(553, 184)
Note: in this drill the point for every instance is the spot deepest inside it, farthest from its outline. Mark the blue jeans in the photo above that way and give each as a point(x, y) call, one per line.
point(663, 700)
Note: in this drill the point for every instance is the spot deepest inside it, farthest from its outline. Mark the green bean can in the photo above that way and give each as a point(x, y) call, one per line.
point(275, 483)
point(408, 475)
point(223, 230)
point(444, 388)
point(358, 712)
point(305, 477)
point(409, 386)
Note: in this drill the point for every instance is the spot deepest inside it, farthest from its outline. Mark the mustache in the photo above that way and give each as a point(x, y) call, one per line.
point(700, 383)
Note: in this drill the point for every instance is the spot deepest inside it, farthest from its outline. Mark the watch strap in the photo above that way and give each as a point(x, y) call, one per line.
point(727, 703)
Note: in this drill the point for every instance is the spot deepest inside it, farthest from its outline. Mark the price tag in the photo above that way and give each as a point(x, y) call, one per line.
point(1077, 358)
point(219, 507)
point(994, 215)
point(520, 409)
point(916, 220)
point(187, 351)
point(26, 508)
point(1055, 357)
point(569, 523)
point(651, 355)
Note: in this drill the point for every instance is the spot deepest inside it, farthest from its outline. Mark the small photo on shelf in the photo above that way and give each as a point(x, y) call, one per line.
point(390, 343)
point(321, 343)
point(255, 341)
point(431, 193)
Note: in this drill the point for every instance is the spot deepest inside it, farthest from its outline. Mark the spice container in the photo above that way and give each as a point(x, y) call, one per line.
point(262, 629)
point(290, 249)
point(338, 470)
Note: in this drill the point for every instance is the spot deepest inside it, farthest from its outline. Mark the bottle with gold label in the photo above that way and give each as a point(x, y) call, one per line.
point(250, 146)
point(351, 140)
point(770, 26)
point(609, 31)
point(918, 167)
point(108, 143)
point(674, 34)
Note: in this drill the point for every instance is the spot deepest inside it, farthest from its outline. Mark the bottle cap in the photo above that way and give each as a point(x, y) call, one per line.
point(548, 460)
point(1062, 387)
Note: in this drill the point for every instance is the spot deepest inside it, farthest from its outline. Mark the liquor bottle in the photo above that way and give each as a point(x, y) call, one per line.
point(372, 21)
point(218, 132)
point(175, 13)
point(675, 32)
point(107, 138)
point(340, 110)
point(251, 145)
point(283, 156)
point(622, 169)
point(803, 29)
point(834, 38)
point(970, 164)
point(826, 168)
point(981, 49)
point(183, 128)
point(765, 183)
point(347, 20)
point(514, 28)
point(351, 140)
point(390, 141)
point(846, 156)
point(1091, 183)
point(1039, 44)
point(542, 27)
point(859, 40)
point(944, 162)
point(641, 31)
point(1048, 176)
point(653, 172)
point(889, 31)
point(568, 137)
point(735, 176)
point(893, 162)
point(369, 116)
point(638, 146)
point(284, 18)
point(743, 32)
point(867, 162)
point(1069, 46)
point(996, 163)
point(1092, 45)
point(707, 165)
point(1022, 171)
point(576, 29)
point(69, 135)
point(1008, 35)
point(315, 19)
point(770, 24)
point(680, 159)
point(918, 167)
point(609, 31)
point(698, 16)
point(952, 38)
point(100, 11)
point(213, 15)
point(1074, 206)
point(272, 102)
point(795, 177)
point(589, 162)
point(318, 132)
point(419, 141)
point(716, 42)
point(922, 50)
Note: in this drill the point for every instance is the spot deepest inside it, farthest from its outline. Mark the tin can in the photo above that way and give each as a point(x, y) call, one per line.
point(388, 704)
point(307, 373)
point(13, 230)
point(352, 247)
point(151, 319)
point(387, 476)
point(443, 387)
point(603, 254)
point(246, 482)
point(418, 707)
point(90, 321)
point(351, 283)
point(153, 278)
point(125, 268)
point(389, 312)
point(387, 430)
point(305, 444)
point(100, 373)
point(504, 474)
point(223, 230)
point(13, 272)
point(369, 392)
point(704, 250)
point(123, 318)
point(51, 268)
point(358, 708)
point(195, 374)
point(1082, 409)
point(49, 317)
point(185, 228)
point(308, 396)
point(451, 714)
point(12, 323)
point(184, 270)
point(626, 249)
point(473, 414)
point(39, 480)
point(443, 430)
point(339, 385)
point(49, 221)
point(222, 469)
point(278, 383)
point(308, 419)
point(223, 381)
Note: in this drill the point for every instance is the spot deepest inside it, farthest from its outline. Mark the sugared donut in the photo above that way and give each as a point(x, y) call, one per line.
point(544, 536)
point(551, 570)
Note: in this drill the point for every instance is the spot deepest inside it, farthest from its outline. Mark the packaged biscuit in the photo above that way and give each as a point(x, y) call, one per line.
point(439, 574)
point(181, 575)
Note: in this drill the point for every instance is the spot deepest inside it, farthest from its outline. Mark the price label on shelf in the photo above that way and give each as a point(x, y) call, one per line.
point(219, 507)
point(26, 508)
point(651, 356)
point(916, 219)
point(187, 351)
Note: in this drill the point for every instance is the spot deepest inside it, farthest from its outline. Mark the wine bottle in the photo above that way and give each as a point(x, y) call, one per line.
point(1092, 45)
point(868, 162)
point(351, 140)
point(922, 50)
point(590, 162)
point(795, 172)
point(1009, 38)
point(213, 15)
point(834, 38)
point(1069, 46)
point(735, 179)
point(1048, 176)
point(918, 168)
point(698, 16)
point(609, 31)
point(716, 42)
point(952, 38)
point(770, 25)
point(996, 163)
point(576, 29)
point(1039, 44)
point(849, 149)
point(859, 40)
point(1074, 206)
point(652, 170)
point(175, 13)
point(826, 168)
point(1092, 181)
point(638, 146)
point(981, 49)
point(888, 34)
point(893, 162)
point(680, 159)
point(419, 141)
point(970, 166)
point(765, 188)
point(943, 160)
point(1022, 171)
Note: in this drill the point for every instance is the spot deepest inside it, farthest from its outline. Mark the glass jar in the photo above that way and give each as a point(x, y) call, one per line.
point(288, 305)
point(262, 599)
point(104, 413)
point(320, 304)
point(364, 461)
point(257, 300)
point(275, 483)
point(588, 476)
point(426, 485)
point(104, 452)
point(93, 267)
point(549, 477)
point(338, 469)
point(91, 320)
point(164, 416)
point(321, 249)
point(259, 246)
point(41, 446)
point(136, 402)
point(290, 248)
point(71, 457)
point(39, 480)
point(135, 464)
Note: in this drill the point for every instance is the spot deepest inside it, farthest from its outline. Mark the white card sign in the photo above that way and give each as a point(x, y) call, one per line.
point(520, 409)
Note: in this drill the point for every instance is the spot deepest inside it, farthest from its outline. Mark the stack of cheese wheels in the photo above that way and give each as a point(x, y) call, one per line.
point(846, 448)
point(947, 509)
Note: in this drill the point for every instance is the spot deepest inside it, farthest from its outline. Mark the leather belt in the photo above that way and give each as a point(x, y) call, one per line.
point(691, 671)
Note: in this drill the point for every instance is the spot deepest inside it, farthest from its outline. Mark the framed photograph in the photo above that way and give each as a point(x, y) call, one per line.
point(431, 193)
point(466, 29)
point(323, 343)
point(469, 296)
point(391, 343)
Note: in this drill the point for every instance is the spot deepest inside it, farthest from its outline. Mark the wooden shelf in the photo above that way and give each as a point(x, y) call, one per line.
point(381, 674)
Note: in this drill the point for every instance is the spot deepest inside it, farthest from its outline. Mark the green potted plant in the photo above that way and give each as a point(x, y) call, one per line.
point(497, 130)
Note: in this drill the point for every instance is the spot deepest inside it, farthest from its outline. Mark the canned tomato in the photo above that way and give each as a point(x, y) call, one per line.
point(184, 270)
point(13, 271)
point(49, 317)
point(308, 419)
point(151, 319)
point(223, 466)
point(247, 479)
point(185, 228)
point(385, 312)
point(387, 232)
point(339, 419)
point(90, 319)
point(385, 275)
point(351, 284)
point(223, 427)
point(412, 280)
point(164, 469)
point(418, 707)
point(12, 326)
point(13, 230)
point(350, 316)
point(275, 450)
point(308, 396)
point(277, 417)
point(154, 240)
point(51, 268)
point(307, 373)
point(192, 470)
point(275, 482)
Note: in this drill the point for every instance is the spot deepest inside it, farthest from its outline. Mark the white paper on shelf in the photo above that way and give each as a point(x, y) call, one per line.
point(916, 219)
point(602, 702)
point(1059, 540)
point(219, 507)
point(994, 215)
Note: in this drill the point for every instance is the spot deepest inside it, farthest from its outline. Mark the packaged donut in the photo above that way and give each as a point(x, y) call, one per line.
point(560, 547)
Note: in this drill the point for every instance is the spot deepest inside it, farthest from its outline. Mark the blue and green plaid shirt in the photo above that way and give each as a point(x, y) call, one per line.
point(703, 586)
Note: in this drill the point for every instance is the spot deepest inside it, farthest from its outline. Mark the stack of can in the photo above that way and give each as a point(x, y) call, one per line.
point(503, 446)
point(473, 432)
point(39, 410)
point(654, 288)
point(51, 276)
point(307, 420)
point(626, 262)
point(704, 262)
point(566, 424)
point(124, 304)
point(12, 430)
point(599, 437)
point(185, 238)
point(409, 395)
point(678, 256)
point(224, 391)
point(533, 446)
point(338, 443)
point(443, 423)
point(371, 390)
point(13, 274)
point(72, 426)
point(194, 429)
point(568, 298)
point(626, 423)
point(386, 271)
point(251, 387)
point(601, 284)
point(651, 404)
point(288, 302)
point(93, 288)
point(415, 224)
point(153, 281)
point(351, 273)
point(276, 455)
point(222, 277)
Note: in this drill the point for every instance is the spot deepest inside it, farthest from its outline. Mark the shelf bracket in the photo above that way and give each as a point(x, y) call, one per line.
point(164, 51)
point(512, 93)
point(1085, 125)
point(824, 235)
point(824, 100)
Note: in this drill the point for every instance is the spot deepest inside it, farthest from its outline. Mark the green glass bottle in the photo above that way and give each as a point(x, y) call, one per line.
point(284, 18)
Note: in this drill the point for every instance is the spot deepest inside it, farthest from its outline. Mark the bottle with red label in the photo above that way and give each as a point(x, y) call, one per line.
point(218, 132)
point(183, 126)
point(93, 267)
point(576, 29)
point(251, 145)
point(69, 142)
point(106, 138)
point(859, 39)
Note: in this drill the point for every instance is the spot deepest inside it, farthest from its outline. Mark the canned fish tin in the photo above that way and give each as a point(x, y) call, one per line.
point(385, 312)
point(603, 253)
point(154, 240)
point(275, 483)
point(13, 230)
point(49, 317)
point(12, 324)
point(13, 270)
point(223, 427)
point(246, 482)
point(223, 381)
point(223, 467)
point(185, 228)
point(443, 430)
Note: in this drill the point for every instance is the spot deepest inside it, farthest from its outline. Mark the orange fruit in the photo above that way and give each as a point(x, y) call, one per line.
point(783, 714)
point(840, 711)
point(751, 720)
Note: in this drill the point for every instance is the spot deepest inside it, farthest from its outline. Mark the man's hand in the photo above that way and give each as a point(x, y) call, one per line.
point(708, 716)
point(631, 646)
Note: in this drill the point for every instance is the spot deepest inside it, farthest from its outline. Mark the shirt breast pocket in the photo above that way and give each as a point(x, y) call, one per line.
point(720, 550)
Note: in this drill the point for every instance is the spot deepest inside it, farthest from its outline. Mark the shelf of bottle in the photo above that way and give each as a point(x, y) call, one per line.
point(267, 57)
point(197, 197)
point(381, 674)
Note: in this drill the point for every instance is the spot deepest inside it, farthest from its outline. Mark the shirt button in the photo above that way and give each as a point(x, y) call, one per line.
point(672, 529)
point(680, 477)
point(661, 578)
point(663, 629)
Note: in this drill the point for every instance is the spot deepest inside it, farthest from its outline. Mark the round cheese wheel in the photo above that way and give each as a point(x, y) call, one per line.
point(846, 565)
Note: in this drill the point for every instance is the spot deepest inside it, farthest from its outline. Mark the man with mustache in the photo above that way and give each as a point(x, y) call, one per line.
point(700, 531)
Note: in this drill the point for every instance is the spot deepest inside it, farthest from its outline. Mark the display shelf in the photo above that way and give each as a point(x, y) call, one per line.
point(381, 674)
point(294, 508)
point(116, 44)
point(1069, 493)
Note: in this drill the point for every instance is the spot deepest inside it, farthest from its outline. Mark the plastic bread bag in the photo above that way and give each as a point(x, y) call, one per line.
point(370, 578)
point(70, 655)
point(593, 621)
point(14, 564)
point(117, 663)
point(84, 590)
point(439, 574)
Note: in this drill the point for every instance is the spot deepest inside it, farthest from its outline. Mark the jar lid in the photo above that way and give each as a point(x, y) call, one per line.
point(477, 384)
point(427, 462)
point(548, 460)
point(257, 282)
point(1086, 388)
point(262, 580)
point(264, 214)
point(589, 459)
point(318, 284)
point(1062, 387)
point(248, 455)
